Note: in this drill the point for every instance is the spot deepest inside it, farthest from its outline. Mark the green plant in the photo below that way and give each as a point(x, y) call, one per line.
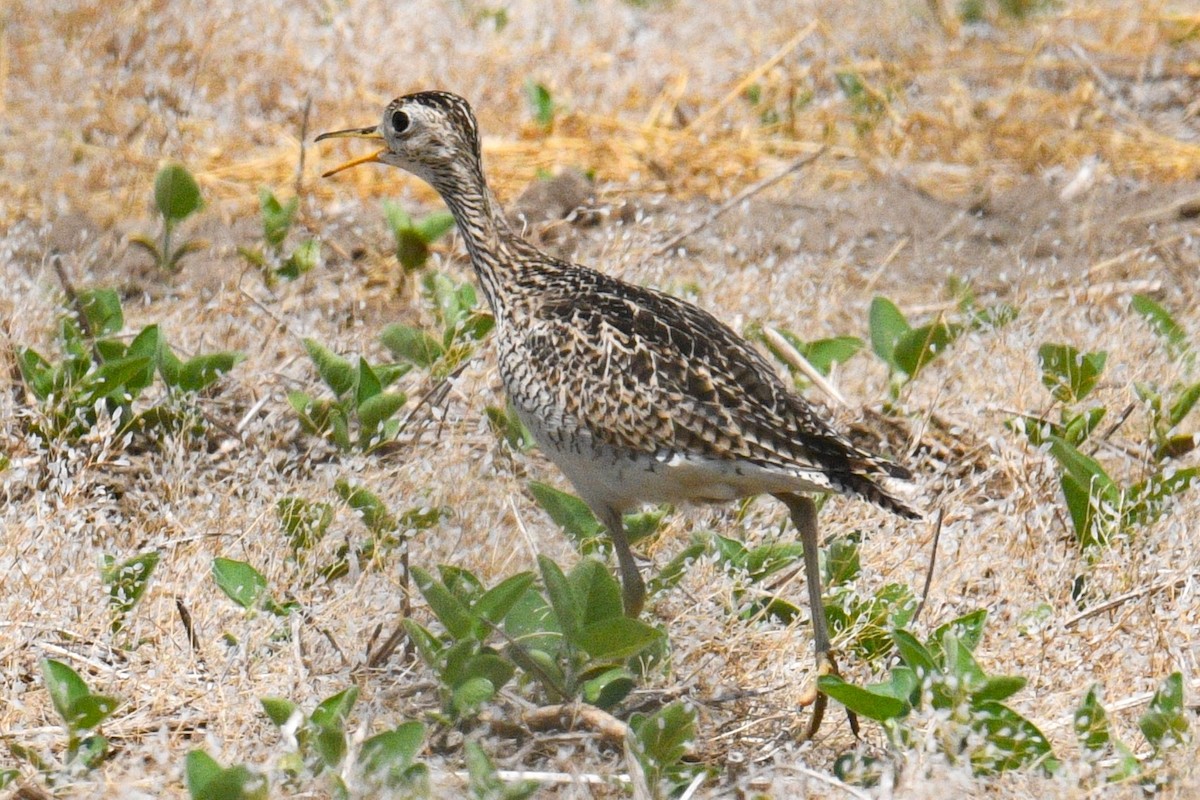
point(387, 766)
point(98, 370)
point(1070, 376)
point(575, 640)
point(541, 104)
point(660, 742)
point(176, 197)
point(414, 236)
point(942, 681)
point(463, 326)
point(905, 349)
point(508, 428)
point(320, 738)
point(821, 354)
point(81, 712)
point(246, 586)
point(277, 220)
point(580, 524)
point(866, 620)
point(469, 670)
point(1164, 725)
point(361, 412)
point(1167, 408)
point(303, 522)
point(208, 780)
point(127, 583)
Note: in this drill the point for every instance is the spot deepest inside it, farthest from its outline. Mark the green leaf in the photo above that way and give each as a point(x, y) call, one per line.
point(1165, 723)
point(111, 379)
point(608, 688)
point(366, 385)
point(278, 709)
point(202, 371)
point(65, 687)
point(370, 508)
point(127, 583)
point(377, 410)
point(1012, 741)
point(469, 695)
point(673, 571)
point(336, 371)
point(917, 347)
point(302, 521)
point(596, 591)
point(863, 701)
point(842, 562)
point(967, 630)
point(822, 354)
point(412, 251)
point(915, 655)
point(207, 780)
point(386, 758)
point(102, 310)
point(541, 104)
point(435, 225)
point(887, 326)
point(1068, 374)
point(449, 610)
point(1183, 404)
point(277, 217)
point(305, 258)
point(496, 602)
point(1162, 323)
point(562, 598)
point(485, 784)
point(568, 511)
point(146, 344)
point(1091, 723)
point(616, 638)
point(242, 583)
point(660, 741)
point(998, 688)
point(411, 344)
point(37, 372)
point(176, 193)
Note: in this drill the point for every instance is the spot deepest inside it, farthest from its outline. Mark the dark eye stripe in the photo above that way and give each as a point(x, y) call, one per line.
point(399, 121)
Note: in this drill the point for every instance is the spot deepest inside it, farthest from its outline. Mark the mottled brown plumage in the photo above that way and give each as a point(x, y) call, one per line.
point(636, 395)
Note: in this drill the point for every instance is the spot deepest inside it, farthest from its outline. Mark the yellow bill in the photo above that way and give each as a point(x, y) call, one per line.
point(355, 133)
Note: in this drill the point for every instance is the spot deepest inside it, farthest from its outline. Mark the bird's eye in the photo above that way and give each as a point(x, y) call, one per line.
point(399, 121)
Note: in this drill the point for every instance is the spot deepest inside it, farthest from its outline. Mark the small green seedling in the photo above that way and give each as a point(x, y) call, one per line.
point(541, 104)
point(246, 586)
point(905, 349)
point(127, 583)
point(1070, 376)
point(320, 738)
point(387, 765)
point(942, 680)
point(208, 780)
point(575, 640)
point(1165, 726)
point(660, 742)
point(303, 522)
point(81, 712)
point(177, 197)
point(414, 237)
point(470, 671)
point(99, 370)
point(361, 412)
point(463, 324)
point(270, 259)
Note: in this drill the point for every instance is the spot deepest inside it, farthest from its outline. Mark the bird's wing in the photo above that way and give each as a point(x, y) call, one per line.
point(652, 373)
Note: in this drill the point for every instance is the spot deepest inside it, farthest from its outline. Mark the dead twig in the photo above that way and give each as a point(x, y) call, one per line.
point(937, 535)
point(572, 716)
point(1116, 602)
point(794, 357)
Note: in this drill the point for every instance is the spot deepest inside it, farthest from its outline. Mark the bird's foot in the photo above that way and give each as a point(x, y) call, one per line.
point(814, 697)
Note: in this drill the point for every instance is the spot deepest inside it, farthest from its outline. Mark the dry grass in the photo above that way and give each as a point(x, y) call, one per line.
point(955, 161)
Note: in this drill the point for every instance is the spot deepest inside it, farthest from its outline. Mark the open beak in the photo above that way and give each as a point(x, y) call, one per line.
point(355, 133)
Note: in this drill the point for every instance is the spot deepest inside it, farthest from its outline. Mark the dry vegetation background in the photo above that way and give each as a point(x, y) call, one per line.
point(1053, 161)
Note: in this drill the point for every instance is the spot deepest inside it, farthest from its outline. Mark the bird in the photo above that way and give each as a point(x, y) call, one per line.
point(636, 395)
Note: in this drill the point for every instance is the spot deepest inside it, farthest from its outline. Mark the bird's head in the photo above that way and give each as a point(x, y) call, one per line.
point(430, 134)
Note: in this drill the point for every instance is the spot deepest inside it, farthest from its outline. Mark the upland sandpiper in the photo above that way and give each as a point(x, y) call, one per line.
point(637, 396)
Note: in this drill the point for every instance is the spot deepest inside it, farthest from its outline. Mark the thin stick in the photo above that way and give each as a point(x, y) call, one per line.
point(185, 617)
point(746, 193)
point(1109, 605)
point(569, 716)
point(795, 358)
point(937, 535)
point(303, 144)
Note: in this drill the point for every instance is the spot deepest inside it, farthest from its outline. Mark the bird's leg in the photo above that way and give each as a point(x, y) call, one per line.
point(633, 588)
point(804, 516)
